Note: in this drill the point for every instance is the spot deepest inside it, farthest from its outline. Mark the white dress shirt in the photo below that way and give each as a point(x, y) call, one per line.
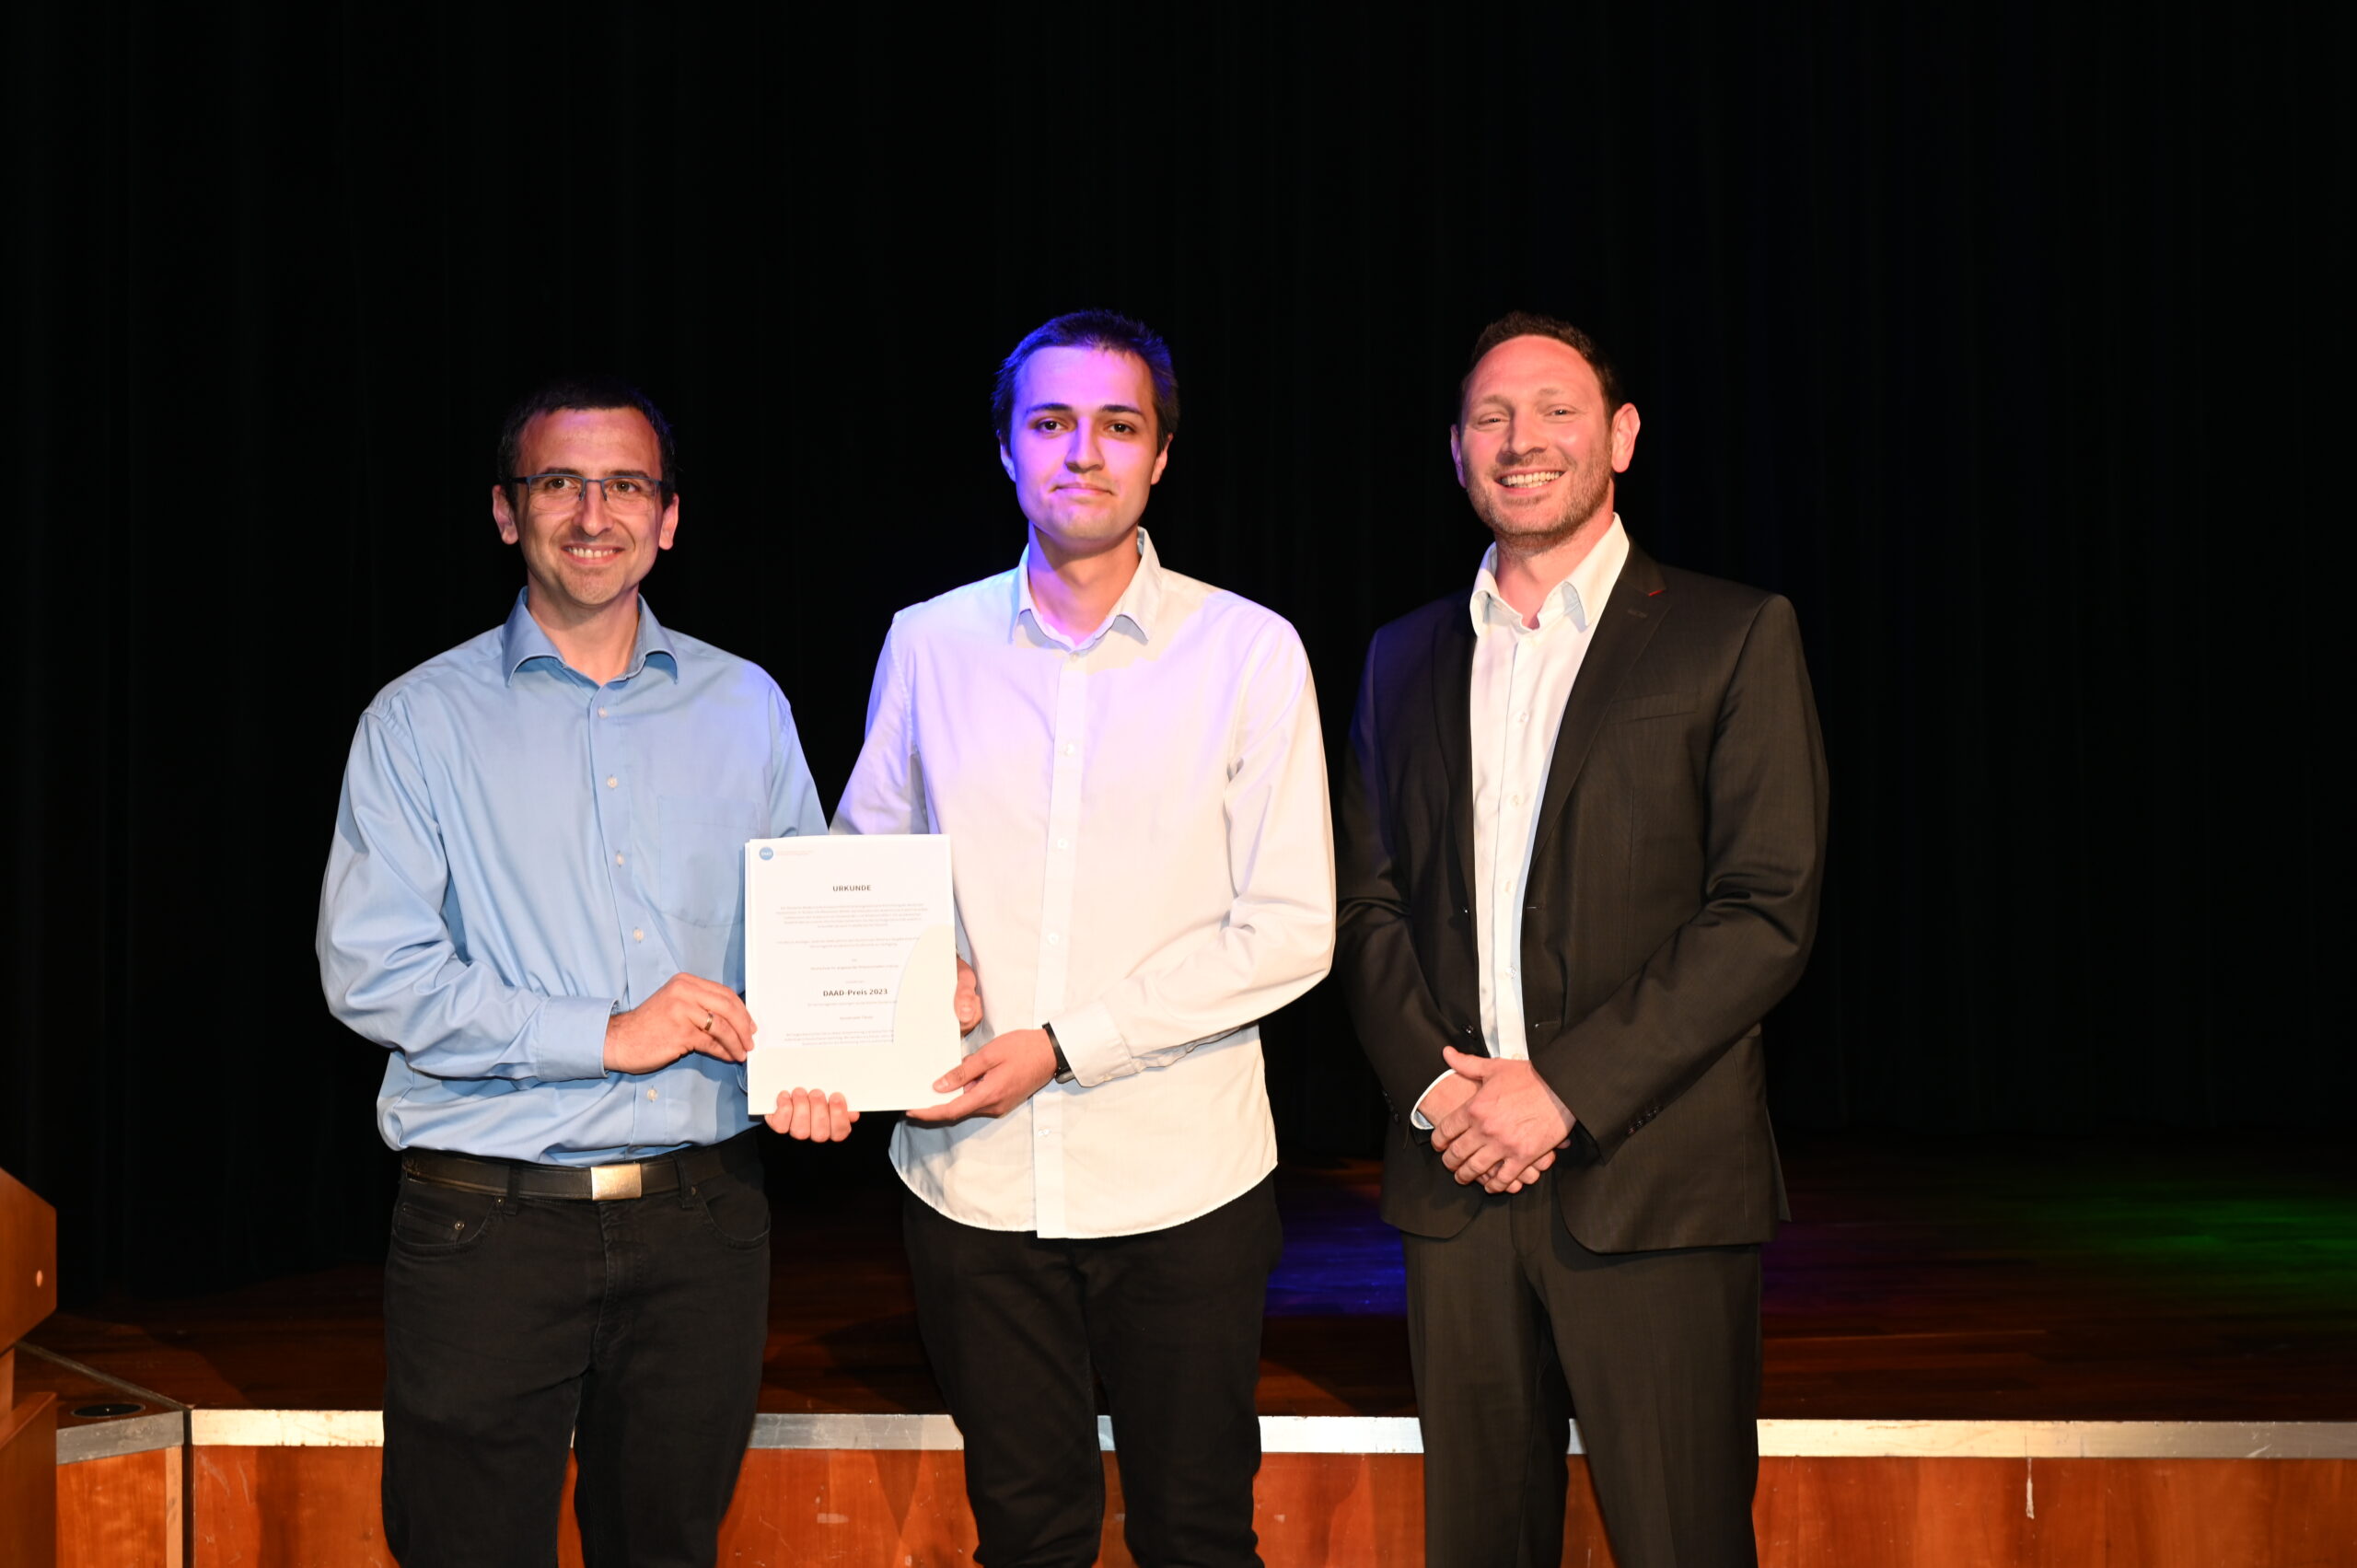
point(1142, 857)
point(1522, 677)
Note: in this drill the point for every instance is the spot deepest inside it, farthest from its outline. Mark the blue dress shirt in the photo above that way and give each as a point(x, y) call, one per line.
point(521, 852)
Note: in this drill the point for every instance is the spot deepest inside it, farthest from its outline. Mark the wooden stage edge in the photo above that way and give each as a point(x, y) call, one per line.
point(182, 1488)
point(175, 1487)
point(293, 1488)
point(1400, 1434)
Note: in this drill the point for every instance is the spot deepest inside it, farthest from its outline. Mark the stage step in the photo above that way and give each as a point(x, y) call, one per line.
point(291, 1489)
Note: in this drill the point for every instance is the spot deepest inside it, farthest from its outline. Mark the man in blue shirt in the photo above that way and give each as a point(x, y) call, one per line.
point(534, 901)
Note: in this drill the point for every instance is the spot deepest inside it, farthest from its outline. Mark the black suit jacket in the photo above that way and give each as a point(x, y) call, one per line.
point(1673, 894)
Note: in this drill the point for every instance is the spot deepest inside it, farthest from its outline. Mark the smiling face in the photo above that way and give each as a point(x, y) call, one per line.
point(1081, 449)
point(1536, 451)
point(586, 558)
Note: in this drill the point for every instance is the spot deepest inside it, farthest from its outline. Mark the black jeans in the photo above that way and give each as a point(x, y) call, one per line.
point(1018, 1327)
point(633, 1329)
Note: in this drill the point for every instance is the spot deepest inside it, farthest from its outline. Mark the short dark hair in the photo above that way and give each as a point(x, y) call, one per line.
point(1099, 329)
point(1525, 324)
point(585, 393)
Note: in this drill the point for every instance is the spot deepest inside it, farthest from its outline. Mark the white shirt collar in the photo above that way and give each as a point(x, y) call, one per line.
point(1579, 597)
point(1140, 603)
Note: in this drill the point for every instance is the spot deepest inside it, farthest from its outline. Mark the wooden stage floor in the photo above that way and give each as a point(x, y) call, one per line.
point(2171, 1277)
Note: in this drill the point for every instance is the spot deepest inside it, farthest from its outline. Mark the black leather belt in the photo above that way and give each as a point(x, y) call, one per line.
point(601, 1183)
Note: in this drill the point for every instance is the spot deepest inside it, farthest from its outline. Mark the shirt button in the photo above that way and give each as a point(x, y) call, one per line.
point(636, 934)
point(1515, 799)
point(650, 1094)
point(1053, 938)
point(602, 713)
point(1067, 747)
point(1522, 718)
point(610, 781)
point(1063, 844)
point(618, 860)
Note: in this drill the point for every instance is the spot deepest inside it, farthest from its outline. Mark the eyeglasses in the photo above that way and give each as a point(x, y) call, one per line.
point(627, 494)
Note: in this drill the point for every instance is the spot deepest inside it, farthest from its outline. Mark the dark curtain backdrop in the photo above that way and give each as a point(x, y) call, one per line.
point(2006, 343)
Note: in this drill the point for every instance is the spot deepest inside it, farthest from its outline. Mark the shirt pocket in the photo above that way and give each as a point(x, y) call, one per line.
point(702, 875)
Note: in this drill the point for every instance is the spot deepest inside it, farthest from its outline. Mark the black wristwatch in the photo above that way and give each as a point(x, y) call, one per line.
point(1063, 1068)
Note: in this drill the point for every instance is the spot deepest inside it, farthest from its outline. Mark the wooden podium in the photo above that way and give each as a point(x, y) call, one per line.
point(28, 1430)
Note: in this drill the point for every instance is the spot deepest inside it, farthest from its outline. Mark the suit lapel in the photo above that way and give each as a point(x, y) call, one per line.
point(1452, 668)
point(1632, 616)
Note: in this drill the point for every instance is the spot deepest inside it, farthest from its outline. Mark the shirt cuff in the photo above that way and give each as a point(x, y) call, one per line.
point(569, 1039)
point(1093, 1048)
point(1416, 1118)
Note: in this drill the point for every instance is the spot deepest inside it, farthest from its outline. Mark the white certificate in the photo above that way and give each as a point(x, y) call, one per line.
point(851, 969)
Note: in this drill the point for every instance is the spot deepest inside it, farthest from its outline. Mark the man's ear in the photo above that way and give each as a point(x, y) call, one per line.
point(1624, 436)
point(502, 513)
point(1161, 460)
point(670, 522)
point(1006, 460)
point(1456, 457)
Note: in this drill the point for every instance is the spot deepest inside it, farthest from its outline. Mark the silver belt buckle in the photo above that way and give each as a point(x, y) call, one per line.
point(610, 1181)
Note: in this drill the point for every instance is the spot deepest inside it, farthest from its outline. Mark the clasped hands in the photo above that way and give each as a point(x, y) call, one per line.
point(991, 1082)
point(1496, 1121)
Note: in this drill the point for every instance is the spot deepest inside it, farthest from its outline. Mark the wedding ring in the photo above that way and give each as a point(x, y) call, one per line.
point(707, 1021)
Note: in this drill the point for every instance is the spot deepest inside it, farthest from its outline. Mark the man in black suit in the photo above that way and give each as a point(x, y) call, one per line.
point(1581, 839)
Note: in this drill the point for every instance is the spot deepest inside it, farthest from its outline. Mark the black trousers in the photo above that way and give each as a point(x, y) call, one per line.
point(631, 1328)
point(1019, 1329)
point(1514, 1327)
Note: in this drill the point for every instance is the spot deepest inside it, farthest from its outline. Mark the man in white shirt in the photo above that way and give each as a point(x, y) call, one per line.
point(1129, 764)
point(1582, 834)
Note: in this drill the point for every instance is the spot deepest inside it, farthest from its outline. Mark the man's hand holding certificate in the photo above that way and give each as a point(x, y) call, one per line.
point(852, 976)
point(996, 1079)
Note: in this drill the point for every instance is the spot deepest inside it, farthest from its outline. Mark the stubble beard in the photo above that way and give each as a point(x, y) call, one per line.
point(1589, 485)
